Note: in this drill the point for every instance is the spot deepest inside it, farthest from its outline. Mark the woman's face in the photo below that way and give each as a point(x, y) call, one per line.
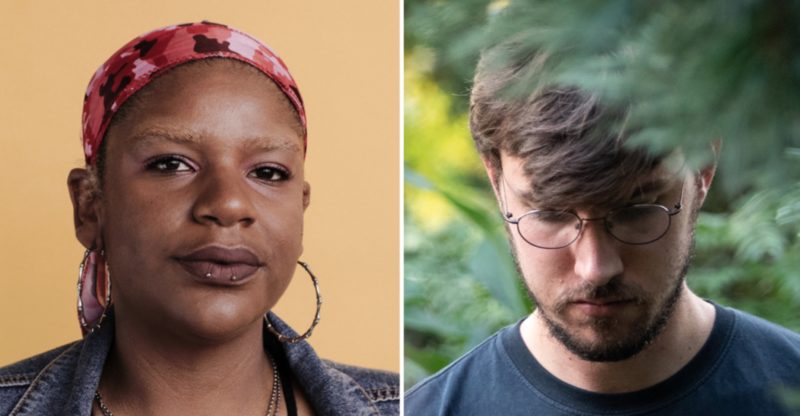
point(201, 213)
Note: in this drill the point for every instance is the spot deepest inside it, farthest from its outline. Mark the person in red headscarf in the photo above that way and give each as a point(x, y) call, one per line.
point(191, 203)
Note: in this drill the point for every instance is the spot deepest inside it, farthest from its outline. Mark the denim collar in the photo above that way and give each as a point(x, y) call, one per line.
point(330, 391)
point(70, 380)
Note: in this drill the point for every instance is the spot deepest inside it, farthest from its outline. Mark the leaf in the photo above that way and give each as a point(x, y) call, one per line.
point(490, 264)
point(422, 321)
point(428, 360)
point(415, 179)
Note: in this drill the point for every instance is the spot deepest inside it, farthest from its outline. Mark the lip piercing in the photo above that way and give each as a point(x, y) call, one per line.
point(234, 278)
point(209, 275)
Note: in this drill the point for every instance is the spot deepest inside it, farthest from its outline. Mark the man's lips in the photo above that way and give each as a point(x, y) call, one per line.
point(221, 265)
point(601, 301)
point(601, 307)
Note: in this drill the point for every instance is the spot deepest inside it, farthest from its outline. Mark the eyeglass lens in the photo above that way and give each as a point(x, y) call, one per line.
point(638, 224)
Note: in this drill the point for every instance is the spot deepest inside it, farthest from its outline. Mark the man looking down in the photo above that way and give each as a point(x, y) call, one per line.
point(602, 234)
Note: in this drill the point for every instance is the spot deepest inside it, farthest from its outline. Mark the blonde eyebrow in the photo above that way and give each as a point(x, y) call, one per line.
point(267, 144)
point(147, 136)
point(187, 137)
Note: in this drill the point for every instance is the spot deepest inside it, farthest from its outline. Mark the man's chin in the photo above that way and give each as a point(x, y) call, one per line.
point(606, 340)
point(611, 339)
point(603, 346)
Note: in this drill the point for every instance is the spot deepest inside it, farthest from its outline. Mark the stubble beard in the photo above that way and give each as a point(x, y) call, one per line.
point(636, 339)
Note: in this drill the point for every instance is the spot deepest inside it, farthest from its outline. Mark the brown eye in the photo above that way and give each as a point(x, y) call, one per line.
point(270, 174)
point(167, 164)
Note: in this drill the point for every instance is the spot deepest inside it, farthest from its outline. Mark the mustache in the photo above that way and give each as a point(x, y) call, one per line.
point(614, 290)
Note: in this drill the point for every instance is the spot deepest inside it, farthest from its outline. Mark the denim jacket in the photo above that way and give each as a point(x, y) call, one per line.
point(63, 381)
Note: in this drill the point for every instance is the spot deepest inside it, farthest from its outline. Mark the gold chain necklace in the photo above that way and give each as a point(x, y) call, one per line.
point(272, 409)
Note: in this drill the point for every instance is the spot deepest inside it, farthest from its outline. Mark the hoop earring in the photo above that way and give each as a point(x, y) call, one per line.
point(94, 291)
point(305, 335)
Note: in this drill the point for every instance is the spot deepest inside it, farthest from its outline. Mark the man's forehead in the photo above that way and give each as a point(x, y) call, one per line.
point(658, 180)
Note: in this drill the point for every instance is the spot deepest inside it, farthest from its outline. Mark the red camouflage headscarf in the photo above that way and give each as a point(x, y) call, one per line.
point(131, 68)
point(142, 59)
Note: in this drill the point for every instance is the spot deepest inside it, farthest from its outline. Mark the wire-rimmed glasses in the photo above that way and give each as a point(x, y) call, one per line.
point(635, 224)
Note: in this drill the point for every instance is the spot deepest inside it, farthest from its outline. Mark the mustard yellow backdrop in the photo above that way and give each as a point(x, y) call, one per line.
point(345, 57)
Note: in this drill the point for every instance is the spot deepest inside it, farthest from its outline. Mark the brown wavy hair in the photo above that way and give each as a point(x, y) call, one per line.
point(573, 145)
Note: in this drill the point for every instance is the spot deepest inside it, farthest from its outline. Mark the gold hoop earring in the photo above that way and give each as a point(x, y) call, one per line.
point(305, 335)
point(94, 291)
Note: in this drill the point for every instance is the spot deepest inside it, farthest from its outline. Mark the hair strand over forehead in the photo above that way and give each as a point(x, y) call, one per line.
point(573, 145)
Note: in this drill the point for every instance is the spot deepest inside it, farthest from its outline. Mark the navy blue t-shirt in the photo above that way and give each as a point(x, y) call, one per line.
point(746, 367)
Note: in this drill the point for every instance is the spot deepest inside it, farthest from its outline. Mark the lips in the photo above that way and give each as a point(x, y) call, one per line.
point(220, 265)
point(601, 307)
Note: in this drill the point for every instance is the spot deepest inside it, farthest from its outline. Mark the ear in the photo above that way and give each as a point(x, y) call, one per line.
point(705, 177)
point(306, 195)
point(85, 207)
point(493, 171)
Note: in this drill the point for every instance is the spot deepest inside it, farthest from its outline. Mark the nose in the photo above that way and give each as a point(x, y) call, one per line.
point(223, 198)
point(596, 255)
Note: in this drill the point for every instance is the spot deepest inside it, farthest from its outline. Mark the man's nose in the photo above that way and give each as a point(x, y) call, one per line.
point(596, 254)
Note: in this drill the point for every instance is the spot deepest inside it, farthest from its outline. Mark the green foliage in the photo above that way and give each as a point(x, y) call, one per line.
point(689, 71)
point(460, 281)
point(454, 31)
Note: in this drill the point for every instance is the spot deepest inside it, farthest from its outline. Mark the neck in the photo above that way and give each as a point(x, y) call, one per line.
point(153, 373)
point(685, 333)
